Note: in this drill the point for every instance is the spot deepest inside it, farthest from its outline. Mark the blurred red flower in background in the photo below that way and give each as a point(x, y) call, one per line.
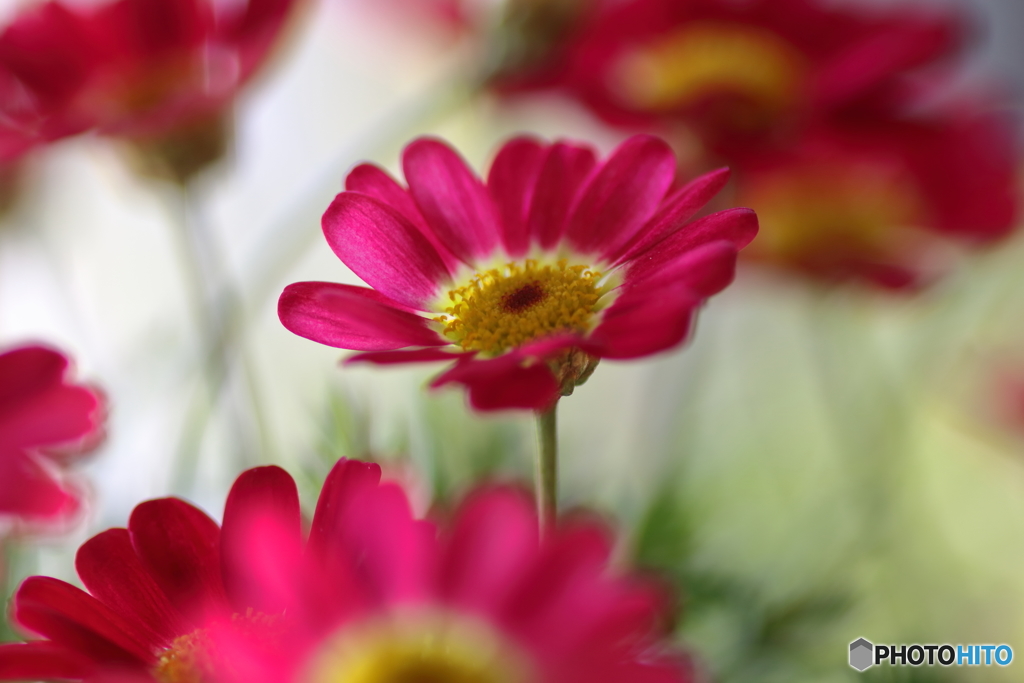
point(46, 421)
point(144, 69)
point(884, 201)
point(525, 280)
point(830, 117)
point(372, 595)
point(741, 73)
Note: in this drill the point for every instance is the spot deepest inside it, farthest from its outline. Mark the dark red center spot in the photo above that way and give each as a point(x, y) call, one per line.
point(522, 298)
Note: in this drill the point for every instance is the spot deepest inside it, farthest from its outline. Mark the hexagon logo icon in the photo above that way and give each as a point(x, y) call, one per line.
point(861, 651)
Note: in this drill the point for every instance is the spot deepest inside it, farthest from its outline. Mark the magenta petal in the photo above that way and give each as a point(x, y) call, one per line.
point(452, 199)
point(623, 196)
point(874, 60)
point(260, 497)
point(492, 544)
point(38, 406)
point(384, 249)
point(29, 370)
point(119, 675)
point(410, 356)
point(349, 317)
point(385, 546)
point(180, 546)
point(375, 182)
point(511, 181)
point(502, 383)
point(675, 212)
point(601, 665)
point(561, 179)
point(545, 606)
point(76, 620)
point(62, 416)
point(639, 325)
point(147, 30)
point(42, 662)
point(968, 170)
point(46, 50)
point(346, 479)
point(737, 226)
point(706, 270)
point(29, 488)
point(366, 541)
point(110, 569)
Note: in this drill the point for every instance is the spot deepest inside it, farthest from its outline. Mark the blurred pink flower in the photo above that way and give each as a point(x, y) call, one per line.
point(883, 201)
point(742, 73)
point(372, 594)
point(137, 68)
point(46, 421)
point(524, 280)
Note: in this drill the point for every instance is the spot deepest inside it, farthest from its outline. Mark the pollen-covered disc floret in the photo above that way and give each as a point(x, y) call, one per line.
point(503, 308)
point(192, 658)
point(431, 649)
point(187, 660)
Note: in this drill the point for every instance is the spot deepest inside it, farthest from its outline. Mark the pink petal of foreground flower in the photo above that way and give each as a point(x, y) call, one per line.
point(371, 596)
point(45, 421)
point(527, 279)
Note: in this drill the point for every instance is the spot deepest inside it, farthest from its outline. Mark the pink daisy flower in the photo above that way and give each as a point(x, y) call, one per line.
point(46, 420)
point(523, 281)
point(371, 595)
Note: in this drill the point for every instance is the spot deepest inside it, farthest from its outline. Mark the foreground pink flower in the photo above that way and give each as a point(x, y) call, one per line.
point(372, 595)
point(527, 279)
point(45, 421)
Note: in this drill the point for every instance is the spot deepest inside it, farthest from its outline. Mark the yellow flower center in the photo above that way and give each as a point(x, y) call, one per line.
point(707, 58)
point(191, 658)
point(503, 308)
point(417, 650)
point(187, 660)
point(818, 212)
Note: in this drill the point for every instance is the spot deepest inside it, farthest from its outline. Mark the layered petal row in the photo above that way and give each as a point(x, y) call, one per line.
point(175, 598)
point(47, 420)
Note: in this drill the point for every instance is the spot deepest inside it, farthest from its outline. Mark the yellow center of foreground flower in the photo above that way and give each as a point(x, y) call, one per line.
point(417, 650)
point(191, 658)
point(503, 308)
point(706, 58)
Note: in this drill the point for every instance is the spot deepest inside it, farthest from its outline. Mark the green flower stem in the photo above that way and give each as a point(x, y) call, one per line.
point(546, 469)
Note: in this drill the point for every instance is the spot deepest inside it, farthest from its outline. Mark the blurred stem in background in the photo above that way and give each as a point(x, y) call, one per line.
point(546, 469)
point(17, 560)
point(215, 305)
point(6, 632)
